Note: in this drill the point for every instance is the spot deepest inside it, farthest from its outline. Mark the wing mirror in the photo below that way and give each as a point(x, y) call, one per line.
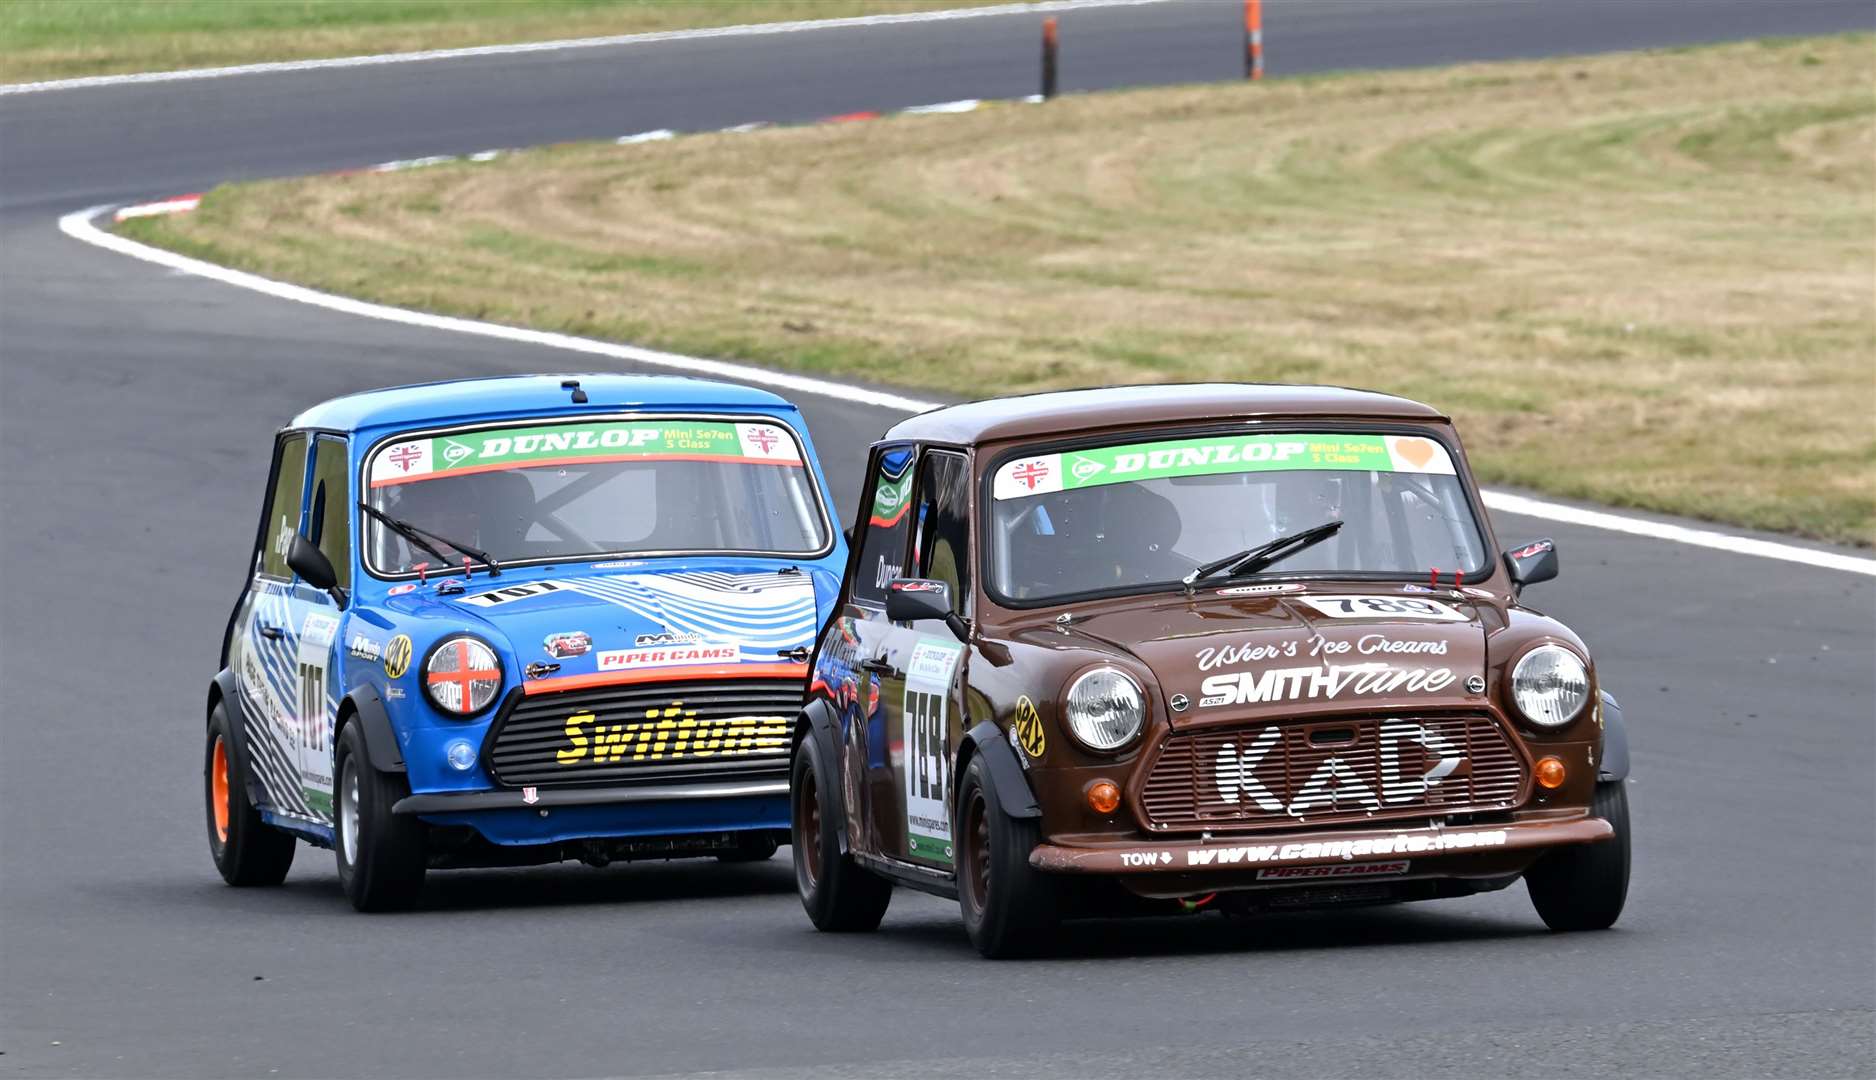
point(1532, 563)
point(917, 599)
point(314, 568)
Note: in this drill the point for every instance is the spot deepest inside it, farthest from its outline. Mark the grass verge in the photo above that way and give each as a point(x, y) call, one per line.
point(1641, 279)
point(62, 39)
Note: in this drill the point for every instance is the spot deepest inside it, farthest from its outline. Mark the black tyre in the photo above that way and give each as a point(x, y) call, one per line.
point(839, 895)
point(247, 851)
point(750, 848)
point(381, 855)
point(1584, 887)
point(1009, 908)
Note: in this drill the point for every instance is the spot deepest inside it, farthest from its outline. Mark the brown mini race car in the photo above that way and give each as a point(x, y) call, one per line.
point(1181, 647)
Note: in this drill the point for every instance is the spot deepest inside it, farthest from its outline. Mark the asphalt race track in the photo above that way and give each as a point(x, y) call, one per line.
point(135, 411)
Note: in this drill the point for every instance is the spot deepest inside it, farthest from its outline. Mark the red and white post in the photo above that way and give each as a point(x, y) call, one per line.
point(1253, 39)
point(1049, 43)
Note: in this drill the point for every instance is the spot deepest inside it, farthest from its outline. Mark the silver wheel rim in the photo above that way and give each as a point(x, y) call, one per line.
point(348, 812)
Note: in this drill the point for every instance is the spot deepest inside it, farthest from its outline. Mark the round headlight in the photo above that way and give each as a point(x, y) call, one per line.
point(1550, 685)
point(462, 676)
point(1105, 708)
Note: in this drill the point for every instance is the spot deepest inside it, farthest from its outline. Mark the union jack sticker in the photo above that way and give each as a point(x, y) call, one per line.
point(406, 459)
point(767, 442)
point(1028, 476)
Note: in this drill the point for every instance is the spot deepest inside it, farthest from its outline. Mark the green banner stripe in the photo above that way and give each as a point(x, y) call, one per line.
point(1073, 469)
point(1200, 457)
point(520, 445)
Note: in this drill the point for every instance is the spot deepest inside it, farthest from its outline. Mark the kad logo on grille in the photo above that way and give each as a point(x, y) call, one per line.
point(1336, 784)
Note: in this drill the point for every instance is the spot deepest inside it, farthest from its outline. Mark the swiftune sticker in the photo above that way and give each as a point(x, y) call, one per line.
point(669, 734)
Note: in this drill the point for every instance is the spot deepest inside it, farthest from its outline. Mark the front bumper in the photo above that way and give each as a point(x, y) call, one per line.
point(552, 815)
point(1179, 867)
point(530, 798)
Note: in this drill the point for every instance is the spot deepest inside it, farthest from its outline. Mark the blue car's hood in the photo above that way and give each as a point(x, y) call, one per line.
point(644, 618)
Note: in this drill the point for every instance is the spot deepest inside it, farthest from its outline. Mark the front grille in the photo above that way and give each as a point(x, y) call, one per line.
point(1329, 771)
point(693, 730)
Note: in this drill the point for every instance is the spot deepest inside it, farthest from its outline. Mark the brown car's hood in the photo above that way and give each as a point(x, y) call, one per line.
point(1237, 653)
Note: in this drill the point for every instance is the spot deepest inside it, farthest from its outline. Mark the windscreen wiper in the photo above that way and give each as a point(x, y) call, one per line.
point(416, 536)
point(1251, 560)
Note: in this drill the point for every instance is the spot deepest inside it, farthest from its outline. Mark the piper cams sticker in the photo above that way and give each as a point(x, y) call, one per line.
point(664, 656)
point(927, 753)
point(562, 444)
point(1095, 466)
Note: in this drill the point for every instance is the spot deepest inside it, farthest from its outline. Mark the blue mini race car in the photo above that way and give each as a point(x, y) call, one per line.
point(520, 620)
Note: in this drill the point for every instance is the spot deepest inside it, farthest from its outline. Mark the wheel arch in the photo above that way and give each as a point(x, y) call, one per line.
point(1013, 790)
point(1613, 763)
point(225, 691)
point(818, 722)
point(365, 708)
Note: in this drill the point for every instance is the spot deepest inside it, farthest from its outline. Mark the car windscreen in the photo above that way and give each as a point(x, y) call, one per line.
point(534, 492)
point(1134, 516)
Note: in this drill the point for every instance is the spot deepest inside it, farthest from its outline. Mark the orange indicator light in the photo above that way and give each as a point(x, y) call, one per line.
point(1550, 772)
point(1103, 797)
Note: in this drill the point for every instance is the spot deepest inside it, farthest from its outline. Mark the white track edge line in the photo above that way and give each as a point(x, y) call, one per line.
point(742, 30)
point(79, 226)
point(1681, 534)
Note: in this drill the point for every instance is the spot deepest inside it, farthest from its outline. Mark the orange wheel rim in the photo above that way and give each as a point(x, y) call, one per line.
point(218, 789)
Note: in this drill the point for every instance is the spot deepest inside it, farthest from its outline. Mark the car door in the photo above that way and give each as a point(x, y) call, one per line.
point(882, 543)
point(265, 649)
point(924, 665)
point(313, 624)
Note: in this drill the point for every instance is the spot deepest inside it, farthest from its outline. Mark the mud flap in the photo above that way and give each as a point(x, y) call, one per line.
point(1013, 790)
point(824, 729)
point(1614, 761)
point(230, 689)
point(374, 722)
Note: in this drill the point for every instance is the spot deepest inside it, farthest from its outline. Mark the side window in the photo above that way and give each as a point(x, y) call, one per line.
point(943, 525)
point(887, 528)
point(328, 515)
point(282, 516)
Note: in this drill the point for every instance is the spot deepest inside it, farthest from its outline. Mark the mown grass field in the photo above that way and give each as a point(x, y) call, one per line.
point(1644, 279)
point(59, 39)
